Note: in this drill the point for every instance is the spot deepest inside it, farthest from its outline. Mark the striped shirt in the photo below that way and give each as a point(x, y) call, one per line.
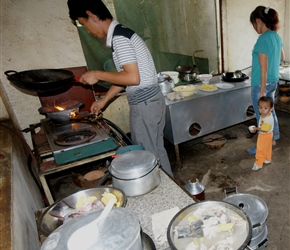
point(128, 47)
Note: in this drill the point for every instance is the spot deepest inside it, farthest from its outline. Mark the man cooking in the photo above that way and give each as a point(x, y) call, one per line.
point(136, 72)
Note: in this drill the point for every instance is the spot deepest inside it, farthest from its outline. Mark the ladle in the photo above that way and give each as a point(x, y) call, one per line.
point(238, 73)
point(85, 237)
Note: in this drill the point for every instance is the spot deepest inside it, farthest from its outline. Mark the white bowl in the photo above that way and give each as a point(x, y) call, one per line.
point(205, 78)
point(185, 90)
point(172, 74)
point(285, 73)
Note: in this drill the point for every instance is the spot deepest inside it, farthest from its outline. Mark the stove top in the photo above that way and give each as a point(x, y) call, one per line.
point(77, 140)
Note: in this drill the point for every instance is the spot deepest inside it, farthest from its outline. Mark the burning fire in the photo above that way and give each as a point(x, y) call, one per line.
point(72, 114)
point(58, 107)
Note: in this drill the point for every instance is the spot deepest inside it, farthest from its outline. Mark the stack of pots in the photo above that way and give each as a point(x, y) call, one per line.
point(257, 211)
point(284, 92)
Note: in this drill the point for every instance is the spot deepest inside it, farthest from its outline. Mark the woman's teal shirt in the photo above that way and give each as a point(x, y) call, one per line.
point(270, 44)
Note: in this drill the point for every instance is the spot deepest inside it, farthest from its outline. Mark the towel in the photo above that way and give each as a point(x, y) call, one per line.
point(160, 222)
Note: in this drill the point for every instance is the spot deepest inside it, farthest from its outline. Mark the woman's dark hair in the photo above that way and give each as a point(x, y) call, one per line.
point(268, 16)
point(267, 99)
point(78, 8)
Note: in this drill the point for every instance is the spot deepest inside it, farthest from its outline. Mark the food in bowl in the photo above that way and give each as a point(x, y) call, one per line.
point(205, 78)
point(173, 75)
point(79, 203)
point(185, 90)
point(209, 225)
point(207, 87)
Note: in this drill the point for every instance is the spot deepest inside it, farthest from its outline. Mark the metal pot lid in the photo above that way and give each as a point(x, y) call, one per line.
point(133, 164)
point(251, 205)
point(119, 230)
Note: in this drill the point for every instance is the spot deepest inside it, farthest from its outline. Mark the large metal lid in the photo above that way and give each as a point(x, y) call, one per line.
point(251, 205)
point(119, 231)
point(133, 164)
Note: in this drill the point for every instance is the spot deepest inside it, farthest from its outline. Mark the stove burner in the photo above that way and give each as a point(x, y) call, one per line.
point(75, 138)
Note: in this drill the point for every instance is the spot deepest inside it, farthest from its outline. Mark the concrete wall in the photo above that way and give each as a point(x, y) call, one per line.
point(19, 194)
point(239, 35)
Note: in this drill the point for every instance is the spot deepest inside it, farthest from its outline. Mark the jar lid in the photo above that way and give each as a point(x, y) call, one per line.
point(251, 205)
point(119, 230)
point(133, 164)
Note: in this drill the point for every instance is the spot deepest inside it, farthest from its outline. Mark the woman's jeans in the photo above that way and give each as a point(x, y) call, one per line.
point(269, 91)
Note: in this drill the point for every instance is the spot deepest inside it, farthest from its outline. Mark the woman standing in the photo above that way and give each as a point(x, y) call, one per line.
point(266, 57)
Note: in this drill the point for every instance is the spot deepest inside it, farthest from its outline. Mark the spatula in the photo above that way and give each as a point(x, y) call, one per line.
point(85, 237)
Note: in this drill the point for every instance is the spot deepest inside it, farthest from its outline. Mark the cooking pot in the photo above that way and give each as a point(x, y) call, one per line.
point(187, 73)
point(41, 80)
point(61, 116)
point(119, 230)
point(185, 227)
point(135, 172)
point(165, 82)
point(251, 205)
point(230, 77)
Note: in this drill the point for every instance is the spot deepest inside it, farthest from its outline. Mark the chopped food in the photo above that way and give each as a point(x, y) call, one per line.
point(108, 196)
point(83, 205)
point(210, 228)
point(207, 86)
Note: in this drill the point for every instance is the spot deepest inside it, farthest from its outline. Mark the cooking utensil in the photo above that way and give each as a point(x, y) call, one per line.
point(120, 230)
point(230, 77)
point(135, 172)
point(41, 80)
point(165, 82)
point(251, 205)
point(86, 236)
point(56, 114)
point(187, 73)
point(52, 216)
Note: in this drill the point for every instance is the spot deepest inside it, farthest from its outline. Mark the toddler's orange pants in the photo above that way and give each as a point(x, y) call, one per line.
point(264, 149)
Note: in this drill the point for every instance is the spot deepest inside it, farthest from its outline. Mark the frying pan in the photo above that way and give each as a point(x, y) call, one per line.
point(41, 80)
point(230, 77)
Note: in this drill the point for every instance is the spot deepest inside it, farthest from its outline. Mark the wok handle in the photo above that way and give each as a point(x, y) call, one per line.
point(8, 72)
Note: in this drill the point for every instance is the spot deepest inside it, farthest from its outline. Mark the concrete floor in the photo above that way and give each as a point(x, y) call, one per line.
point(231, 166)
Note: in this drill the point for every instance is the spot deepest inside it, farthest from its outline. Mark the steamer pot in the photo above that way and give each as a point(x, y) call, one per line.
point(135, 172)
point(253, 206)
point(120, 230)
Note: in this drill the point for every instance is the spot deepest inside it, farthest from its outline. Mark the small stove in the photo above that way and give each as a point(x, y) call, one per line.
point(77, 140)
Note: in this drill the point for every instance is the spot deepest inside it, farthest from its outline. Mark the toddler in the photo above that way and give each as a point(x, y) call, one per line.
point(265, 133)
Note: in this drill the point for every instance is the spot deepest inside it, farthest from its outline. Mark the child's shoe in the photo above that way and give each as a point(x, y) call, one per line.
point(256, 168)
point(267, 162)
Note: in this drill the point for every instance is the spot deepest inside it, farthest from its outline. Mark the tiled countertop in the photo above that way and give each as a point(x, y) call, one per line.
point(166, 196)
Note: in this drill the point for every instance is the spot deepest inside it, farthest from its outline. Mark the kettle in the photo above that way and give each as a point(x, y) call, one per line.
point(196, 189)
point(165, 82)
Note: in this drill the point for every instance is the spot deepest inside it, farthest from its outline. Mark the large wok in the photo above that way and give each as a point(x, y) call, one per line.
point(230, 77)
point(41, 80)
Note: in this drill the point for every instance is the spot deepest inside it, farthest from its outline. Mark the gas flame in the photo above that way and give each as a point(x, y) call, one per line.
point(58, 107)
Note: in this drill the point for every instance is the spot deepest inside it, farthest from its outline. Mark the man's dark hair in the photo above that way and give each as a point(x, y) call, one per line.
point(78, 8)
point(268, 100)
